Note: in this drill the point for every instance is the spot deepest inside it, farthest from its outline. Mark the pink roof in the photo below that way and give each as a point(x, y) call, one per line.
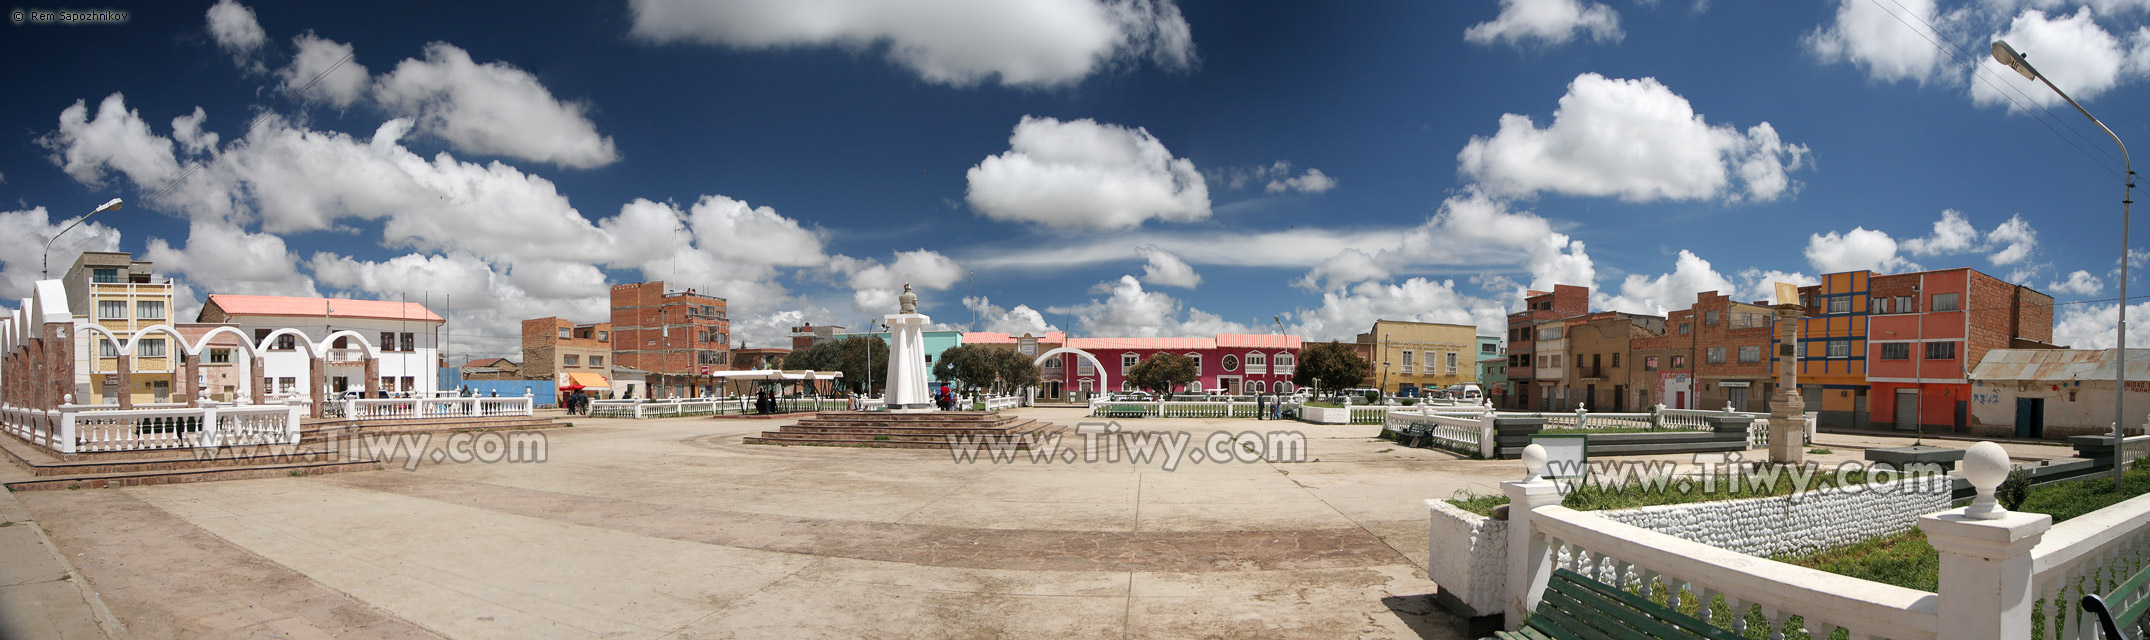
point(238, 305)
point(1142, 343)
point(1257, 340)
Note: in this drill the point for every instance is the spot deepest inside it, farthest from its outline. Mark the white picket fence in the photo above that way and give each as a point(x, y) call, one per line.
point(70, 429)
point(1000, 403)
point(419, 408)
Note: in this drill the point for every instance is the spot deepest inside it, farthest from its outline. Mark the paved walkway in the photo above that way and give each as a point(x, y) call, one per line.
point(673, 529)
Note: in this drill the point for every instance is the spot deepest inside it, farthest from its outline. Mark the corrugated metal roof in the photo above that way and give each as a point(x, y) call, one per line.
point(1257, 341)
point(239, 305)
point(2058, 365)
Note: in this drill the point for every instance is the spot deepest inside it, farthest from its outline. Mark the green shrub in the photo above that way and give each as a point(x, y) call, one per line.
point(2015, 489)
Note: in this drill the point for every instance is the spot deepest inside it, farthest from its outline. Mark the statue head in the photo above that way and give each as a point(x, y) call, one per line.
point(907, 302)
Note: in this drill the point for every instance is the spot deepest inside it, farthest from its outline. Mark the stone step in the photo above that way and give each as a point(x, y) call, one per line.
point(324, 435)
point(801, 428)
point(480, 420)
point(898, 437)
point(145, 478)
point(846, 443)
point(188, 460)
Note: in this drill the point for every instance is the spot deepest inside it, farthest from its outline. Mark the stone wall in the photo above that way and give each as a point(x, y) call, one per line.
point(1469, 559)
point(1795, 524)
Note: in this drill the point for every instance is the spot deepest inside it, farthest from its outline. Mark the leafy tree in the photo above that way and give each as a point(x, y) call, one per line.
point(1160, 373)
point(1329, 366)
point(853, 356)
point(970, 366)
point(1016, 371)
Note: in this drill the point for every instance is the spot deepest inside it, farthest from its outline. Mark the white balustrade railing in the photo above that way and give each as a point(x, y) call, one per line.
point(999, 403)
point(66, 430)
point(422, 408)
point(1685, 573)
point(1472, 435)
point(2089, 554)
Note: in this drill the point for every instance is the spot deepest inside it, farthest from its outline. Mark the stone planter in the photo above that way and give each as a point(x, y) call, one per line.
point(1904, 457)
point(1468, 558)
point(1325, 415)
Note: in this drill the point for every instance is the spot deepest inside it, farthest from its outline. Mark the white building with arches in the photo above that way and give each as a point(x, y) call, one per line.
point(318, 347)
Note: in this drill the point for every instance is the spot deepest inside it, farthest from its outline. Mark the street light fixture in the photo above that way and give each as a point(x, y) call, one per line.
point(2009, 57)
point(46, 271)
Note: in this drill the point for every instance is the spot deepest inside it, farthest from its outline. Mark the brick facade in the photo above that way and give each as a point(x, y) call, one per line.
point(676, 336)
point(1737, 334)
point(1564, 301)
point(546, 351)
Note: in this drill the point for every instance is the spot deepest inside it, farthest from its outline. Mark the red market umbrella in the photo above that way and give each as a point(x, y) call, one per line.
point(571, 387)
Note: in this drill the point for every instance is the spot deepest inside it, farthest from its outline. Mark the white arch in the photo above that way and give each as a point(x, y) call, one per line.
point(297, 335)
point(1094, 363)
point(371, 351)
point(81, 326)
point(196, 349)
point(179, 342)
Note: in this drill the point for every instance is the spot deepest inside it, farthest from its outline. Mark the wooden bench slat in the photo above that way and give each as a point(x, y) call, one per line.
point(1683, 622)
point(1609, 617)
point(1550, 618)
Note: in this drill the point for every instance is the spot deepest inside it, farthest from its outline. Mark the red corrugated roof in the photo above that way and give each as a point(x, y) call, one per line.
point(239, 305)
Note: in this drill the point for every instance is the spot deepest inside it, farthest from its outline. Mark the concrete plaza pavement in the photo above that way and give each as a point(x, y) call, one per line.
point(675, 529)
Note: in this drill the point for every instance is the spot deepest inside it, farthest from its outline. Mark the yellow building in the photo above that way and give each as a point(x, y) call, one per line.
point(1419, 355)
point(1832, 349)
point(117, 293)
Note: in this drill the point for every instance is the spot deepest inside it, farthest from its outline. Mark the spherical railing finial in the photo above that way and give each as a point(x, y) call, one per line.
point(1533, 462)
point(1985, 465)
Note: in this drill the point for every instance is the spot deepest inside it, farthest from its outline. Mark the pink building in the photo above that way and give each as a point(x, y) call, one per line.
point(1232, 362)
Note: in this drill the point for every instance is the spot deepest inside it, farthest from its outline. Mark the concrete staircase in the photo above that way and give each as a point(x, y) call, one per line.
point(875, 429)
point(322, 448)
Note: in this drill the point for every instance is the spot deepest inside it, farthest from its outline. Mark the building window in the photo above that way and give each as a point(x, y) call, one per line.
point(1903, 305)
point(1229, 362)
point(571, 361)
point(603, 336)
point(1679, 363)
point(409, 382)
point(1406, 361)
point(410, 342)
point(1257, 386)
point(1750, 353)
point(597, 361)
point(1488, 348)
point(286, 384)
point(1451, 363)
point(1881, 305)
point(1284, 360)
point(1839, 348)
point(1940, 350)
point(1715, 355)
point(1053, 362)
point(388, 341)
point(1896, 351)
point(566, 333)
point(219, 356)
point(1840, 304)
point(111, 309)
point(1127, 361)
point(1197, 358)
point(105, 348)
point(1256, 360)
point(1944, 302)
point(104, 276)
point(1686, 328)
point(149, 309)
point(151, 348)
point(1549, 333)
point(1083, 368)
point(1649, 363)
point(1616, 359)
point(287, 342)
point(1709, 317)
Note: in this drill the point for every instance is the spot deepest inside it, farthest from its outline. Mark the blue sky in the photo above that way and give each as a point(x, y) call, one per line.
point(1115, 167)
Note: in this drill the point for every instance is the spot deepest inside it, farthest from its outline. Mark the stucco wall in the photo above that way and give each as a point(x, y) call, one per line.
point(1469, 558)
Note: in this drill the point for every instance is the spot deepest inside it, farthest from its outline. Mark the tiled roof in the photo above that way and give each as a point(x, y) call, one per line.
point(992, 337)
point(239, 305)
point(1257, 341)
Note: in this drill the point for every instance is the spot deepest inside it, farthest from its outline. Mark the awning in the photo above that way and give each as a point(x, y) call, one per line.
point(589, 380)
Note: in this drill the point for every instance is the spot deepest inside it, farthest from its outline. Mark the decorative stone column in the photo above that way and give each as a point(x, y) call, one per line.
point(1788, 411)
point(56, 364)
point(1530, 558)
point(189, 369)
point(256, 378)
point(316, 376)
point(125, 384)
point(1986, 591)
point(373, 375)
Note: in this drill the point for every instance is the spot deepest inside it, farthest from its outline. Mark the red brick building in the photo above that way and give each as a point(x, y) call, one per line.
point(1730, 344)
point(678, 337)
point(1564, 301)
point(566, 352)
point(1928, 329)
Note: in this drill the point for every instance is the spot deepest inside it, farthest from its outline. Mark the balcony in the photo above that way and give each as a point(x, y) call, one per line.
point(346, 355)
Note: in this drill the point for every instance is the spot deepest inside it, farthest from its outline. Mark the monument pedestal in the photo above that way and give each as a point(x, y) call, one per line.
point(907, 364)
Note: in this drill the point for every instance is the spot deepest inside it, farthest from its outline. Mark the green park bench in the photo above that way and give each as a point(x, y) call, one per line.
point(1576, 607)
point(2131, 598)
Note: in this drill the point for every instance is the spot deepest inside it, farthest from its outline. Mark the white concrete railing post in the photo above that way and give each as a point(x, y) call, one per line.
point(210, 435)
point(1986, 591)
point(350, 409)
point(1487, 448)
point(66, 432)
point(291, 425)
point(1530, 558)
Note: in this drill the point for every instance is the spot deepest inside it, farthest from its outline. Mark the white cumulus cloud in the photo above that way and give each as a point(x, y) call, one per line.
point(22, 247)
point(1635, 140)
point(1017, 321)
point(876, 285)
point(953, 42)
point(1086, 174)
point(316, 55)
point(1313, 181)
point(1165, 269)
point(1890, 41)
point(1859, 248)
point(492, 108)
point(1130, 311)
point(2071, 50)
point(1655, 295)
point(233, 27)
point(2079, 283)
point(1547, 22)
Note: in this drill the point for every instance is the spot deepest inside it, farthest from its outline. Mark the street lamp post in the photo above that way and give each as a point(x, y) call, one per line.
point(46, 271)
point(2009, 57)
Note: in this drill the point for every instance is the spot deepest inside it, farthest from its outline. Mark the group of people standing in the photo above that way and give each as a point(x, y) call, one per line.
point(576, 402)
point(765, 402)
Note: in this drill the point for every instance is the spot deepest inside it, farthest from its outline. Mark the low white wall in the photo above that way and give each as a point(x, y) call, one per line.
point(1325, 415)
point(1469, 558)
point(1794, 524)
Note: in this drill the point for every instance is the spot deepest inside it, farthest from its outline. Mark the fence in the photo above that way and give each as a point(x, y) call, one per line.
point(998, 403)
point(70, 429)
point(420, 408)
point(2003, 575)
point(1471, 436)
point(1173, 409)
point(686, 407)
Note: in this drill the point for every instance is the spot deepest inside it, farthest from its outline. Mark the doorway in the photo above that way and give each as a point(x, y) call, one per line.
point(1619, 398)
point(1737, 397)
point(1907, 409)
point(1052, 389)
point(1230, 384)
point(2030, 417)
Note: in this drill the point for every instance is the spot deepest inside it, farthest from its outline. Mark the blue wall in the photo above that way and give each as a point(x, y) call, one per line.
point(451, 381)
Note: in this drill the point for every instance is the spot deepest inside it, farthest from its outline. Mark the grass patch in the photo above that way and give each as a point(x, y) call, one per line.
point(1381, 451)
point(1594, 495)
point(1906, 560)
point(1585, 432)
point(1820, 451)
point(1325, 404)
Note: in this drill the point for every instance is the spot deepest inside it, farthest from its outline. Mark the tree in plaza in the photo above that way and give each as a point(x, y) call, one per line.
point(1160, 373)
point(970, 366)
point(1329, 366)
point(853, 356)
point(1015, 370)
